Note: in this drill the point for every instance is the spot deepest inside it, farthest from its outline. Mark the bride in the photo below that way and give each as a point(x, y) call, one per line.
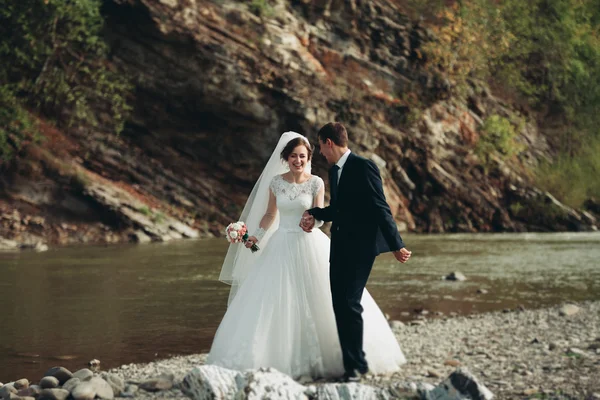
point(280, 311)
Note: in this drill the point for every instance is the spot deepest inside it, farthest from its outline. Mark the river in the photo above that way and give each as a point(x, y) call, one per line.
point(136, 303)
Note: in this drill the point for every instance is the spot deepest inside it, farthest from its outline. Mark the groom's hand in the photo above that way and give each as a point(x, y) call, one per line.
point(307, 223)
point(251, 241)
point(402, 255)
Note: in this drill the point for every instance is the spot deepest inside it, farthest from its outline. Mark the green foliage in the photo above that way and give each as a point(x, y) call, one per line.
point(58, 61)
point(573, 179)
point(498, 136)
point(158, 218)
point(145, 210)
point(16, 126)
point(555, 62)
point(262, 8)
point(545, 51)
point(516, 208)
point(469, 36)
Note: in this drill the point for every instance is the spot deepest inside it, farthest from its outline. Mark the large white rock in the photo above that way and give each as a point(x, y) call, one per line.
point(210, 382)
point(351, 391)
point(215, 383)
point(268, 383)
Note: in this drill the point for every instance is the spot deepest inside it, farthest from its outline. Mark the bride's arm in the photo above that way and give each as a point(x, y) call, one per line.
point(265, 222)
point(319, 202)
point(320, 213)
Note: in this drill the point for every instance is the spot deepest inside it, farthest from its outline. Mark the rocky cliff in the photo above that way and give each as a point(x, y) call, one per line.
point(217, 82)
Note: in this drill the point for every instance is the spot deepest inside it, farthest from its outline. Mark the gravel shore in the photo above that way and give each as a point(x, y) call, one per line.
point(551, 353)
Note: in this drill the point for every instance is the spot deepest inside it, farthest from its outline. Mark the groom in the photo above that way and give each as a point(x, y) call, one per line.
point(362, 228)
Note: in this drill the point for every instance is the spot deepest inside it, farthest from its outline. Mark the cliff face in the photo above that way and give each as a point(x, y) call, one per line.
point(215, 86)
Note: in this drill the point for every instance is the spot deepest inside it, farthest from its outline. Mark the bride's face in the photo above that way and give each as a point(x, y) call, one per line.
point(298, 159)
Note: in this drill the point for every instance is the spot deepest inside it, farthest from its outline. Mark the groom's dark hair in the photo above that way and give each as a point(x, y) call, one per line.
point(334, 131)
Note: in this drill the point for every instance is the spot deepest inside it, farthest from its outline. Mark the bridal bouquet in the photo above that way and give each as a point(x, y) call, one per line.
point(237, 232)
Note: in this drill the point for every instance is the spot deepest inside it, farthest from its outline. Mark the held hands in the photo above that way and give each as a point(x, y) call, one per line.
point(251, 241)
point(307, 223)
point(402, 255)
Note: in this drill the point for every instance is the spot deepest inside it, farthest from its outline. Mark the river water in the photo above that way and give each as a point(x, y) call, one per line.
point(138, 303)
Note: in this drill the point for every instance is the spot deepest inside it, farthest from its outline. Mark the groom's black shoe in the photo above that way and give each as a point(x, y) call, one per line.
point(354, 376)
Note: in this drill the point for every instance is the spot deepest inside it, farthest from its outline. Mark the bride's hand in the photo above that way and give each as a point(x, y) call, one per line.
point(251, 241)
point(307, 222)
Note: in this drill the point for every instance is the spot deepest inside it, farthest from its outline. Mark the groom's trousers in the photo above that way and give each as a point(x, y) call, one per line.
point(348, 276)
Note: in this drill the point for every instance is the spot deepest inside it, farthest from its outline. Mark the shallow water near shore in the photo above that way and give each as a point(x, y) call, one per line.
point(123, 304)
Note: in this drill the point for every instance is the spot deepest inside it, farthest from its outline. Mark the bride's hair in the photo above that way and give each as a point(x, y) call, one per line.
point(292, 144)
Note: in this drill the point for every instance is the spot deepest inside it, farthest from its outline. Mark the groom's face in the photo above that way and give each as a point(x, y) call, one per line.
point(326, 150)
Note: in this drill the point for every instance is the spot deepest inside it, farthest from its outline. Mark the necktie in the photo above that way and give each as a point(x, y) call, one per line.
point(333, 181)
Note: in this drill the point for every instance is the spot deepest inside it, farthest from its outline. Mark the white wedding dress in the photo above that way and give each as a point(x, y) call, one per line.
point(282, 315)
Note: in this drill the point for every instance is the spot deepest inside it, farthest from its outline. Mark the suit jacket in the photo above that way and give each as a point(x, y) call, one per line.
point(362, 220)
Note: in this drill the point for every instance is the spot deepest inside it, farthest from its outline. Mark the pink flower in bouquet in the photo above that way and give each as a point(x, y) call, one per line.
point(237, 232)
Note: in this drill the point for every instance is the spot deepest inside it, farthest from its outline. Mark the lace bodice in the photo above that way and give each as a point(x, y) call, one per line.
point(293, 199)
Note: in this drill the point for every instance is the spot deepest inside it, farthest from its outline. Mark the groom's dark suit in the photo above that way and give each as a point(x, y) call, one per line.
point(362, 228)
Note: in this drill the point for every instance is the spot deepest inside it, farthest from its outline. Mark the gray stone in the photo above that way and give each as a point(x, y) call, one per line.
point(60, 373)
point(31, 391)
point(456, 276)
point(21, 384)
point(396, 324)
point(49, 382)
point(84, 391)
point(434, 374)
point(83, 374)
point(116, 383)
point(576, 351)
point(54, 394)
point(102, 388)
point(460, 385)
point(130, 391)
point(7, 389)
point(157, 384)
point(71, 383)
point(569, 309)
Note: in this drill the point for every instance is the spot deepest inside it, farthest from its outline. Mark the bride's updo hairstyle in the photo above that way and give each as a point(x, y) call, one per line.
point(292, 144)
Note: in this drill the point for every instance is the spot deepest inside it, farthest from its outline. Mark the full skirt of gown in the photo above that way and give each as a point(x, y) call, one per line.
point(282, 315)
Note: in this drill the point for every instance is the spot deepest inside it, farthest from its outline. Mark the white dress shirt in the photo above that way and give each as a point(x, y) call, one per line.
point(341, 163)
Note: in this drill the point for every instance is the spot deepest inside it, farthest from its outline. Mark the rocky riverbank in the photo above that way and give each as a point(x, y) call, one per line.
point(551, 353)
